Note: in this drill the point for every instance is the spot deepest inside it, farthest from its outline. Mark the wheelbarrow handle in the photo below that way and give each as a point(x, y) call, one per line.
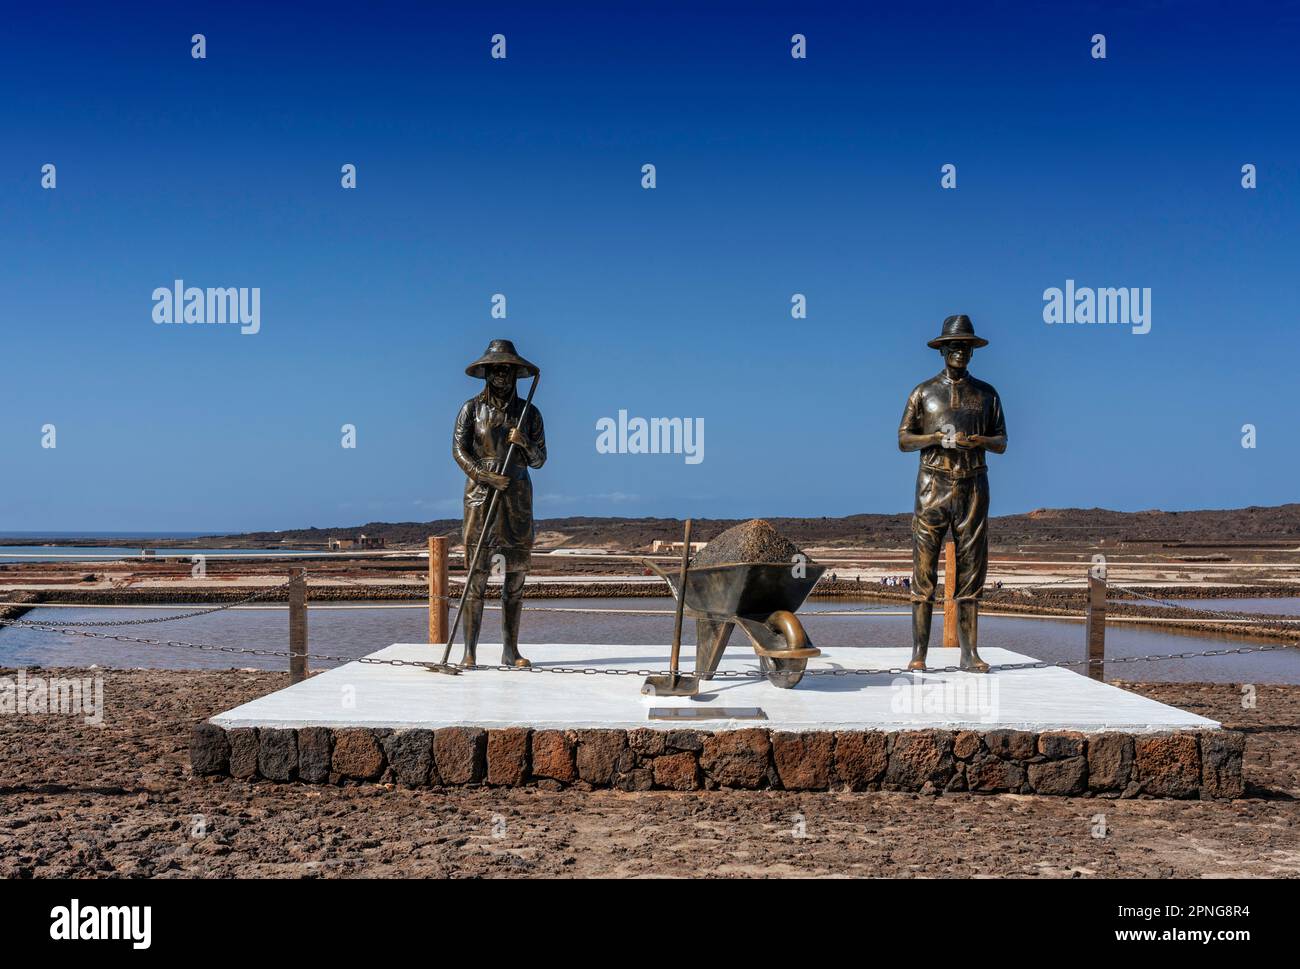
point(675, 588)
point(659, 571)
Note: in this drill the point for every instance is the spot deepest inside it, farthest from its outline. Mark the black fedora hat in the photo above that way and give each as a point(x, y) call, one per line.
point(958, 329)
point(498, 352)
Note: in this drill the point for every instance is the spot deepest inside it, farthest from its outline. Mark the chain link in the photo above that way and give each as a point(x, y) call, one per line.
point(1031, 589)
point(1022, 590)
point(888, 670)
point(261, 593)
point(1218, 613)
point(74, 629)
point(614, 671)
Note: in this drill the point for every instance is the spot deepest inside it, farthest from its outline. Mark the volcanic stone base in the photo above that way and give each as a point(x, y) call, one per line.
point(1178, 765)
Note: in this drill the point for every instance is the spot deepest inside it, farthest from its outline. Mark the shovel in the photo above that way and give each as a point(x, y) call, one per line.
point(673, 683)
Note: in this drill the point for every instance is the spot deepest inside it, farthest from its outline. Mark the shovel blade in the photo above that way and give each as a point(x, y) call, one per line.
point(671, 684)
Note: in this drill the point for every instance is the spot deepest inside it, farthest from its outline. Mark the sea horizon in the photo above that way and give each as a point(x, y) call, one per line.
point(99, 534)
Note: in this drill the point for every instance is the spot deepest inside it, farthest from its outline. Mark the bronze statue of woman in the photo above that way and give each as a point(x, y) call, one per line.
point(485, 428)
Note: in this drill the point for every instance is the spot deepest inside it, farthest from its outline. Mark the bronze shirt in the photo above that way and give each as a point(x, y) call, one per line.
point(479, 444)
point(968, 406)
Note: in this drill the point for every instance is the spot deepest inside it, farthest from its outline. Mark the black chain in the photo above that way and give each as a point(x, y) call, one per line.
point(261, 593)
point(72, 629)
point(1218, 613)
point(600, 671)
point(891, 670)
point(1030, 589)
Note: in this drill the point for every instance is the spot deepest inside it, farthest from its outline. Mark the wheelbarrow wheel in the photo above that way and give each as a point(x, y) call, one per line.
point(785, 673)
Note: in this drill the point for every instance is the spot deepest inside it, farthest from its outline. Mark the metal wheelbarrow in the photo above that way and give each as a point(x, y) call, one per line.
point(761, 598)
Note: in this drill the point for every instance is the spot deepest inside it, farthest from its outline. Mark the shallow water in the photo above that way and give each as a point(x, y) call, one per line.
point(1288, 606)
point(100, 554)
point(355, 632)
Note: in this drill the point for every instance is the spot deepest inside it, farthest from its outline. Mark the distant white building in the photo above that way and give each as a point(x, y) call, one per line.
point(661, 546)
point(361, 541)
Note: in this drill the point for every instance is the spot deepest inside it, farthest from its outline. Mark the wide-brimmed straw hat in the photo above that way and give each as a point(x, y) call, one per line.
point(958, 329)
point(501, 351)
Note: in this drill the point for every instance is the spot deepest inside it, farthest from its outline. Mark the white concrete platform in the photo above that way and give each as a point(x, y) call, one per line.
point(371, 695)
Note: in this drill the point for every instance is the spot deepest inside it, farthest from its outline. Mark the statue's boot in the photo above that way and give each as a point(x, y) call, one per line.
point(472, 616)
point(968, 618)
point(922, 614)
point(512, 607)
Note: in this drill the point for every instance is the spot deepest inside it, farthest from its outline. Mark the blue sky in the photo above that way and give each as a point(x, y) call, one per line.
point(523, 176)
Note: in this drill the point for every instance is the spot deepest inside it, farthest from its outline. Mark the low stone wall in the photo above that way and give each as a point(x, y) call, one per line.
point(1179, 765)
point(20, 608)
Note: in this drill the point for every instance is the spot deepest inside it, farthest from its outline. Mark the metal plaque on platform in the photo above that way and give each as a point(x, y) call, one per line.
point(707, 713)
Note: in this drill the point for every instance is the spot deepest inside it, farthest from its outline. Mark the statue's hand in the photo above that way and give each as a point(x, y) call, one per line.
point(973, 440)
point(493, 480)
point(517, 437)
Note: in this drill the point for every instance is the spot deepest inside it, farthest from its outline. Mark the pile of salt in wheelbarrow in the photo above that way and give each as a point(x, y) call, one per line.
point(748, 576)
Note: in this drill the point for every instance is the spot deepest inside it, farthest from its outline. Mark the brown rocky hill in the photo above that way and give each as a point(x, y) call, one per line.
point(1045, 526)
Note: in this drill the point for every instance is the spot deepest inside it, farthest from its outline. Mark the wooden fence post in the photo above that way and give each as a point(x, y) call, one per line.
point(1095, 626)
point(438, 586)
point(297, 626)
point(949, 594)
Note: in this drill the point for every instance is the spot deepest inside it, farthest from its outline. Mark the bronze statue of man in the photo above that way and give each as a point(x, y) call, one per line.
point(952, 419)
point(485, 428)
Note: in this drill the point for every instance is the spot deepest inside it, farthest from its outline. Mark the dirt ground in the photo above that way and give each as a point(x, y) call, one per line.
point(85, 801)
